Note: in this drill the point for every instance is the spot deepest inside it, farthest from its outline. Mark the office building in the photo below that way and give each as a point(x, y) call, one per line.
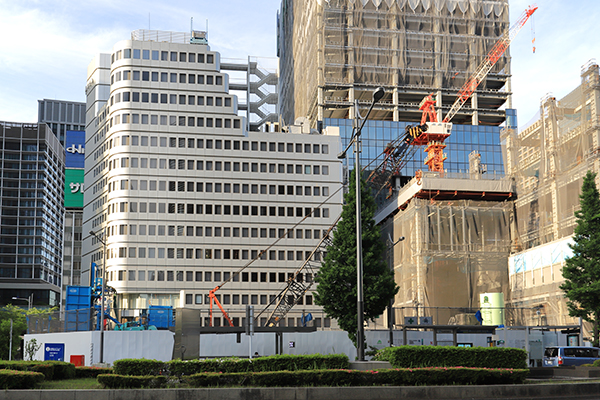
point(182, 196)
point(65, 118)
point(62, 116)
point(32, 215)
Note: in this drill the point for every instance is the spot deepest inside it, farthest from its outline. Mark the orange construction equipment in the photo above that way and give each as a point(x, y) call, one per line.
point(437, 133)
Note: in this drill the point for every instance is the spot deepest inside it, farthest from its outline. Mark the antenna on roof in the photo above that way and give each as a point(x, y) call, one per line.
point(191, 26)
point(206, 28)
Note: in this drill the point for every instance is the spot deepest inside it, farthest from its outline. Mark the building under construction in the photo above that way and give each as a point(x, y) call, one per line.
point(333, 52)
point(548, 161)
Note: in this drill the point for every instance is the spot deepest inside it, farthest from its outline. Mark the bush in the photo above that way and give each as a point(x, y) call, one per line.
point(446, 356)
point(286, 362)
point(52, 370)
point(91, 372)
point(596, 363)
point(383, 354)
point(12, 379)
point(112, 381)
point(62, 369)
point(341, 377)
point(138, 367)
point(270, 363)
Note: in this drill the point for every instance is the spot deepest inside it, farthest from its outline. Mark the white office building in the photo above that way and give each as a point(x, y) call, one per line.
point(183, 196)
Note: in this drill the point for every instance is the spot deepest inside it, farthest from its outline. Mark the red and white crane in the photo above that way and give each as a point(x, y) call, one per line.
point(432, 133)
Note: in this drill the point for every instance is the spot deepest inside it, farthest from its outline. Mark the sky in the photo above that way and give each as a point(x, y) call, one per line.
point(47, 45)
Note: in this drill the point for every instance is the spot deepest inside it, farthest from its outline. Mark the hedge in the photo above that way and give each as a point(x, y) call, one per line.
point(326, 378)
point(112, 381)
point(394, 377)
point(13, 379)
point(91, 372)
point(138, 367)
point(447, 356)
point(52, 370)
point(285, 362)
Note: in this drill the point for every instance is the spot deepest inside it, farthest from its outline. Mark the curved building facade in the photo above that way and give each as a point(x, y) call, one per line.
point(184, 196)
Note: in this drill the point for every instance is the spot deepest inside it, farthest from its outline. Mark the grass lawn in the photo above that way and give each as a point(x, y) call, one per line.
point(83, 383)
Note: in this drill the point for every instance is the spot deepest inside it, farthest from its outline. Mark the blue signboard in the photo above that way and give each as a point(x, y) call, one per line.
point(74, 149)
point(54, 352)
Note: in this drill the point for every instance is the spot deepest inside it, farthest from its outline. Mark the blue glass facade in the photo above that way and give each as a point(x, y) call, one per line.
point(464, 139)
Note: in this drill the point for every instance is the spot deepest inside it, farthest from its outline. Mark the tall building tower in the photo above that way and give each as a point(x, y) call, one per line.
point(67, 121)
point(32, 215)
point(333, 53)
point(62, 116)
point(182, 196)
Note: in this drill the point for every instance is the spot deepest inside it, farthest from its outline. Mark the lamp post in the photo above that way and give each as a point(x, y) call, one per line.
point(358, 125)
point(391, 316)
point(103, 241)
point(28, 300)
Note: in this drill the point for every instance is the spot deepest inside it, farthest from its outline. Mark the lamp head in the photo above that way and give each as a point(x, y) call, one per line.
point(378, 94)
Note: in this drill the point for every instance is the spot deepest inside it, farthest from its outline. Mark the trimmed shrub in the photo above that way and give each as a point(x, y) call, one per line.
point(43, 368)
point(284, 362)
point(447, 356)
point(62, 369)
point(52, 370)
point(12, 379)
point(91, 372)
point(383, 354)
point(113, 381)
point(180, 368)
point(596, 363)
point(138, 367)
point(395, 377)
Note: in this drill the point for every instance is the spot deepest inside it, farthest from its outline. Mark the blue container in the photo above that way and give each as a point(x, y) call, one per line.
point(161, 317)
point(78, 314)
point(78, 297)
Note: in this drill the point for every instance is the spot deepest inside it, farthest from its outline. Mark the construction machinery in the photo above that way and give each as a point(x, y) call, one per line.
point(432, 133)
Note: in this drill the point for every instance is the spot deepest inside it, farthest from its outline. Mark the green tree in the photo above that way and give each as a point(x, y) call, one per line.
point(582, 270)
point(19, 328)
point(336, 291)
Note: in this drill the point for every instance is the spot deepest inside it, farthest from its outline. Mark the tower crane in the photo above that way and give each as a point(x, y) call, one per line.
point(433, 133)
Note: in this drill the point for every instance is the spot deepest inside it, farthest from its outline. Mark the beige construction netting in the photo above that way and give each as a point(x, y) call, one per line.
point(418, 43)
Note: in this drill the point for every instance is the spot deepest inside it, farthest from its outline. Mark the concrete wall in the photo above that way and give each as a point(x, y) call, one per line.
point(523, 392)
point(156, 345)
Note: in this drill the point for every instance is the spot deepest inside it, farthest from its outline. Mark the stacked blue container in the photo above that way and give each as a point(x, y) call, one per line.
point(78, 309)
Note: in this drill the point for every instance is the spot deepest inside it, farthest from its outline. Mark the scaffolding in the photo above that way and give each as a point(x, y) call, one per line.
point(335, 52)
point(548, 161)
point(455, 250)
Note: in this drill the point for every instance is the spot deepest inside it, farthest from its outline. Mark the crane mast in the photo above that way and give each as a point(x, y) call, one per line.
point(432, 133)
point(490, 60)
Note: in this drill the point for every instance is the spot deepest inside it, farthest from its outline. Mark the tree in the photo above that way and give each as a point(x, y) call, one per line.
point(19, 327)
point(336, 291)
point(582, 270)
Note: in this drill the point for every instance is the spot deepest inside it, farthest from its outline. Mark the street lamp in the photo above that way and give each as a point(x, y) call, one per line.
point(28, 300)
point(391, 316)
point(359, 122)
point(102, 294)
